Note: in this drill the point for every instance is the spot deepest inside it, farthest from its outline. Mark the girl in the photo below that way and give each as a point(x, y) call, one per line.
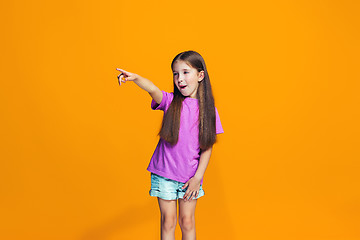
point(188, 132)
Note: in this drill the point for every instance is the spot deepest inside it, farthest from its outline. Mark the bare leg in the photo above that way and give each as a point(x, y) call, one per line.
point(187, 218)
point(168, 218)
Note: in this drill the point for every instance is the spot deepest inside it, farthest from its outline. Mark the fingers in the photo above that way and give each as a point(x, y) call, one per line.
point(192, 194)
point(121, 78)
point(126, 73)
point(186, 195)
point(189, 195)
point(192, 191)
point(127, 76)
point(121, 70)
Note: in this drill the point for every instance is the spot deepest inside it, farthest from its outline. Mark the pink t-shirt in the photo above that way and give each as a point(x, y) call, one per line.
point(180, 162)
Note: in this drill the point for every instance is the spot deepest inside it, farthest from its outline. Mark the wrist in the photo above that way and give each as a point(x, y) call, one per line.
point(198, 176)
point(136, 78)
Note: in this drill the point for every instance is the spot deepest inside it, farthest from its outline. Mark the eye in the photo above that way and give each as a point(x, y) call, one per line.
point(175, 74)
point(186, 72)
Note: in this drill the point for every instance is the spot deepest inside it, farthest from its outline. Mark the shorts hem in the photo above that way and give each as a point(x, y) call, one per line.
point(154, 193)
point(160, 195)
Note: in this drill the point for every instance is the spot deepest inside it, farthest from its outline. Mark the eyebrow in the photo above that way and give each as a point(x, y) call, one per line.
point(184, 69)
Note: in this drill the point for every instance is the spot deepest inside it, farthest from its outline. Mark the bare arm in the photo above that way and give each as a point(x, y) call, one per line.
point(193, 184)
point(204, 161)
point(143, 83)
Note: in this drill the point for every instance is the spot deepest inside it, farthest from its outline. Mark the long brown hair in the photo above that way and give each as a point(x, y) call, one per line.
point(207, 122)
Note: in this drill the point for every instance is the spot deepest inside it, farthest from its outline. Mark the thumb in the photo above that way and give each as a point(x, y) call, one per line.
point(185, 185)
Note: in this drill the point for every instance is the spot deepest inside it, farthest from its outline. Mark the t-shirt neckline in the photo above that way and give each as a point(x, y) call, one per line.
point(191, 98)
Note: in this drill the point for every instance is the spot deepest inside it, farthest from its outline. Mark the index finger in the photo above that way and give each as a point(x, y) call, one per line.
point(122, 70)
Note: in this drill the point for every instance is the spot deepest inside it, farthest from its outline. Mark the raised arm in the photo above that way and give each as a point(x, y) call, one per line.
point(142, 82)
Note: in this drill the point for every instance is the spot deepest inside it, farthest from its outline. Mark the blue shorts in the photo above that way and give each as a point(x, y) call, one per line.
point(169, 189)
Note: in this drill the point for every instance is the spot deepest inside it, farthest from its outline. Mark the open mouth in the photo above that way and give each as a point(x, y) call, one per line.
point(182, 87)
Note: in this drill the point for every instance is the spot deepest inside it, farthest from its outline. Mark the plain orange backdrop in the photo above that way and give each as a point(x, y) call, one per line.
point(75, 145)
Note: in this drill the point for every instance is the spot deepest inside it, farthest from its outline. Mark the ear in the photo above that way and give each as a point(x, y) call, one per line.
point(201, 75)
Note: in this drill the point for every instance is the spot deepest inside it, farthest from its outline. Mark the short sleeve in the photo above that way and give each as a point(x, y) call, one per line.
point(165, 102)
point(219, 128)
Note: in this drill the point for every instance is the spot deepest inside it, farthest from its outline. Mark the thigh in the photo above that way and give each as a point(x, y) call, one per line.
point(167, 207)
point(187, 208)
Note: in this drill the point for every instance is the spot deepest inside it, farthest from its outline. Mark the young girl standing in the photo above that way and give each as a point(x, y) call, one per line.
point(188, 132)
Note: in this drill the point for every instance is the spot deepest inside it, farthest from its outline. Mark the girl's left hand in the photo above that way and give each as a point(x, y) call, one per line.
point(193, 189)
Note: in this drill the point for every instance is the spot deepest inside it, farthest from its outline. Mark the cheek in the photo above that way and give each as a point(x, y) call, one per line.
point(194, 83)
point(191, 80)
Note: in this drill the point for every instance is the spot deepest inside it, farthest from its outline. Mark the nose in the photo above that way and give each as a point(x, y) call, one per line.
point(181, 77)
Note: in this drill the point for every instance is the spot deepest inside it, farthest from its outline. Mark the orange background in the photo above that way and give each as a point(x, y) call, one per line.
point(75, 146)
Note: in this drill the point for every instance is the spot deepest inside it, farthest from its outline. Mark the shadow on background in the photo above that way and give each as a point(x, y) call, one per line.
point(217, 211)
point(214, 211)
point(132, 216)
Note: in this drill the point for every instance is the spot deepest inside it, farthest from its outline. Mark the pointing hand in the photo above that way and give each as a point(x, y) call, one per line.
point(125, 76)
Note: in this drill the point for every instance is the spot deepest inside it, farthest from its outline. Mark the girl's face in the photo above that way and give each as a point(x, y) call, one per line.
point(186, 78)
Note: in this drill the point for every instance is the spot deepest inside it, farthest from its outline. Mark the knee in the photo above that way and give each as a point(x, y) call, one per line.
point(187, 223)
point(168, 222)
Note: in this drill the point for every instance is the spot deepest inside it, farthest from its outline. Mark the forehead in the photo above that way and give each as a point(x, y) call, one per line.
point(181, 65)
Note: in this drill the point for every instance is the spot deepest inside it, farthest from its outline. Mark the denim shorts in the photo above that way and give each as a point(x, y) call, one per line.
point(169, 189)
